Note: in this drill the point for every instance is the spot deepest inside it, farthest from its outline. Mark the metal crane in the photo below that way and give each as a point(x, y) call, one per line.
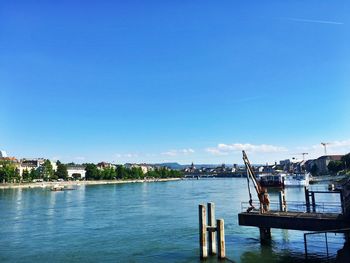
point(261, 192)
point(324, 144)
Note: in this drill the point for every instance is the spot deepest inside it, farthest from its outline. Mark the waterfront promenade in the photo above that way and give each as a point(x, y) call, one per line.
point(76, 183)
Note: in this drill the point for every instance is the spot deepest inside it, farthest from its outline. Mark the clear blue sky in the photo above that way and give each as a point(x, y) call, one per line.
point(174, 80)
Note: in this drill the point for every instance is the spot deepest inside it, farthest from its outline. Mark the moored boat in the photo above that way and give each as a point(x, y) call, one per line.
point(301, 179)
point(271, 180)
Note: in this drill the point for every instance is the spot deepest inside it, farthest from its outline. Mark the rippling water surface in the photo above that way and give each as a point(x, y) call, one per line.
point(139, 222)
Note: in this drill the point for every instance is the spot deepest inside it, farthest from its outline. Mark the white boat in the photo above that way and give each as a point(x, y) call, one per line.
point(297, 179)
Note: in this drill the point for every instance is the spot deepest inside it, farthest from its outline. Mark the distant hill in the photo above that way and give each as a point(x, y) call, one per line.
point(177, 166)
point(174, 166)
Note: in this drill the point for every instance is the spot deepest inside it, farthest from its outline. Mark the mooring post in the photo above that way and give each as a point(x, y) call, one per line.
point(265, 234)
point(307, 199)
point(313, 202)
point(202, 232)
point(211, 223)
point(221, 238)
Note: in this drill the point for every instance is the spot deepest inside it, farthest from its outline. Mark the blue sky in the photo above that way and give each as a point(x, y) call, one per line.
point(154, 81)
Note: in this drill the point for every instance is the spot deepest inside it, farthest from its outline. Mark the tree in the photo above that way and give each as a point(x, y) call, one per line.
point(108, 173)
point(34, 174)
point(335, 166)
point(92, 173)
point(8, 172)
point(121, 172)
point(346, 160)
point(61, 171)
point(26, 176)
point(47, 170)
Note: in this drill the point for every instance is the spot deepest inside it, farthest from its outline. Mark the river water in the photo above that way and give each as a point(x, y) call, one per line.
point(140, 222)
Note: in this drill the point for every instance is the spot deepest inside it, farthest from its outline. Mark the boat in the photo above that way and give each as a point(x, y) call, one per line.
point(297, 179)
point(57, 187)
point(271, 180)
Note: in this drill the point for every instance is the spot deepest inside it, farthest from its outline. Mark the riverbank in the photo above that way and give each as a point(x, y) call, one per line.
point(74, 183)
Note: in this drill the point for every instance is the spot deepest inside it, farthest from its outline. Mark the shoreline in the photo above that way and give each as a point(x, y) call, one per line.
point(78, 183)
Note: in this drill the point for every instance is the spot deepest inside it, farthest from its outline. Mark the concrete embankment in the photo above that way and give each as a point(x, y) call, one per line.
point(74, 183)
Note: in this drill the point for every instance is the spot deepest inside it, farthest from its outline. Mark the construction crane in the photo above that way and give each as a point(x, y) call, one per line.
point(303, 154)
point(324, 144)
point(263, 196)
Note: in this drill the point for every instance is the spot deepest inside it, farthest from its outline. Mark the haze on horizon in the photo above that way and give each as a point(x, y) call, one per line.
point(165, 81)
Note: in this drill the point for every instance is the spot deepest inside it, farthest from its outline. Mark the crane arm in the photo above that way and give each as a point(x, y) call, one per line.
point(262, 193)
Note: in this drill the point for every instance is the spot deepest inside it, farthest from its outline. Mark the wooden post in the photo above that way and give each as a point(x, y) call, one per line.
point(202, 232)
point(211, 223)
point(307, 199)
point(281, 201)
point(221, 238)
point(313, 202)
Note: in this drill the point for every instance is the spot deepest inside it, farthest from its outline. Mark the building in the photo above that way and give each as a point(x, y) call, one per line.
point(76, 171)
point(323, 161)
point(144, 167)
point(29, 164)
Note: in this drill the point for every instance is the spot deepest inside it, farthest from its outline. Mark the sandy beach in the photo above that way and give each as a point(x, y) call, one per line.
point(74, 183)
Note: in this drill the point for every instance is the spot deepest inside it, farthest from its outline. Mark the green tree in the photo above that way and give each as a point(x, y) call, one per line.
point(8, 172)
point(61, 171)
point(92, 172)
point(34, 174)
point(26, 176)
point(108, 173)
point(335, 166)
point(46, 171)
point(121, 172)
point(346, 161)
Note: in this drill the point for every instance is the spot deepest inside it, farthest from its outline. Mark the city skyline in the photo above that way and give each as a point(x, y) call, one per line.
point(158, 82)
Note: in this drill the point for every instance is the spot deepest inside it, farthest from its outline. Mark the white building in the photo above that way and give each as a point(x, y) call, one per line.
point(76, 171)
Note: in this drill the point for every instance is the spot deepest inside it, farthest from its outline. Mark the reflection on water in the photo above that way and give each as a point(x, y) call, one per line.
point(141, 222)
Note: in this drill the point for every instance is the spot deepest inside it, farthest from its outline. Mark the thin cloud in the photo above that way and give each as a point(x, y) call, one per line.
point(225, 149)
point(314, 21)
point(178, 152)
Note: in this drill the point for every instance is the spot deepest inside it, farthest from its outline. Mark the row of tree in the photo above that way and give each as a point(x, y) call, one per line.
point(10, 174)
point(337, 166)
point(123, 173)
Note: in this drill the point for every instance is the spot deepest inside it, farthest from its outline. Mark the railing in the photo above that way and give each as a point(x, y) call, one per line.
point(295, 206)
point(334, 240)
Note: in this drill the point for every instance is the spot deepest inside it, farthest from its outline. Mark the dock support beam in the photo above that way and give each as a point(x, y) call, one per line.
point(307, 199)
point(313, 202)
point(282, 201)
point(265, 234)
point(211, 223)
point(202, 233)
point(221, 238)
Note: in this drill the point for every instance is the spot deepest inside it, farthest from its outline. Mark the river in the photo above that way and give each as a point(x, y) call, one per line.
point(139, 222)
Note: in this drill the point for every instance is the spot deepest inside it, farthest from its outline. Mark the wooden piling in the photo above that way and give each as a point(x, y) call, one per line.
point(307, 199)
point(202, 232)
point(221, 238)
point(282, 201)
point(211, 223)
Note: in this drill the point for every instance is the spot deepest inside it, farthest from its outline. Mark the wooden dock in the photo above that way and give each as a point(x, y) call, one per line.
point(294, 220)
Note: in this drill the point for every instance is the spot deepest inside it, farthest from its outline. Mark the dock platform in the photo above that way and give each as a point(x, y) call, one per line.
point(294, 220)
